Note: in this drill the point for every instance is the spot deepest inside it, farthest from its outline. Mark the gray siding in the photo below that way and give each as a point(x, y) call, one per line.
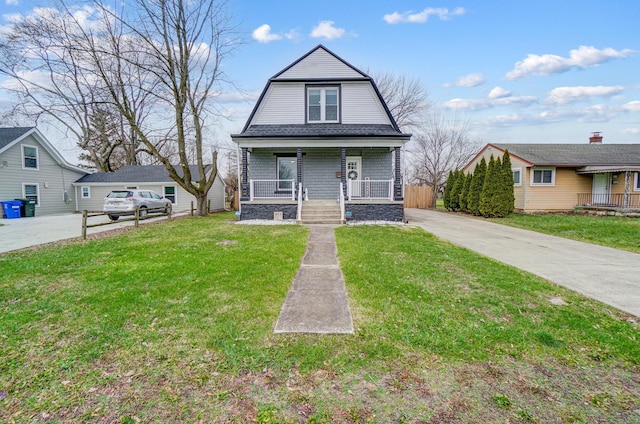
point(284, 103)
point(183, 198)
point(52, 179)
point(320, 64)
point(319, 167)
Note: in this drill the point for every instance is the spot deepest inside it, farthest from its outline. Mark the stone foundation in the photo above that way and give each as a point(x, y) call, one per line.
point(265, 211)
point(393, 212)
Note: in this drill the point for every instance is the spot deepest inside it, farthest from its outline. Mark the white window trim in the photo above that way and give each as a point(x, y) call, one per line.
point(37, 157)
point(175, 193)
point(24, 192)
point(88, 196)
point(520, 171)
point(547, 168)
point(323, 103)
point(636, 183)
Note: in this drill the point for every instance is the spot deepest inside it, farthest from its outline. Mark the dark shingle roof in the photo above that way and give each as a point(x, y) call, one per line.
point(575, 154)
point(7, 135)
point(320, 130)
point(137, 174)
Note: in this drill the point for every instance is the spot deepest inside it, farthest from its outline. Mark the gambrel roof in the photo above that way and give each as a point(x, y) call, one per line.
point(320, 66)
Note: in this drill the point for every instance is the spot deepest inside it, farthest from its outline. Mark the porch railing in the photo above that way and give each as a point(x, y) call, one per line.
point(342, 208)
point(272, 189)
point(370, 189)
point(299, 211)
point(616, 200)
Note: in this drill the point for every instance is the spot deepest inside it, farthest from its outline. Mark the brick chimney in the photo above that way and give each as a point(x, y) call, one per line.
point(595, 138)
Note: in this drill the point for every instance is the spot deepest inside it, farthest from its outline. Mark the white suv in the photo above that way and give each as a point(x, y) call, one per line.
point(124, 202)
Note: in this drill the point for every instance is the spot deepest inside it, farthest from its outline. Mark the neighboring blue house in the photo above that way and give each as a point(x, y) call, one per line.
point(31, 168)
point(321, 132)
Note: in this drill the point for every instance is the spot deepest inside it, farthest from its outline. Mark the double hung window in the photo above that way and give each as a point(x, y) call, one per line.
point(323, 104)
point(29, 157)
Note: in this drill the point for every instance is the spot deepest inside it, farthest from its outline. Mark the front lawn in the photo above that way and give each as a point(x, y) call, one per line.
point(612, 231)
point(173, 323)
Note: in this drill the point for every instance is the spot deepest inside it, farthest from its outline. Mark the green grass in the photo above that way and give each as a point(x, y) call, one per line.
point(164, 324)
point(612, 231)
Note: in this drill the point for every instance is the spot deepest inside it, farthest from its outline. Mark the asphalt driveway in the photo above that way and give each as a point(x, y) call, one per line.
point(608, 275)
point(26, 232)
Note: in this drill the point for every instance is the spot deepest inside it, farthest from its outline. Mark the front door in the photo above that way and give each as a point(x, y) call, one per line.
point(601, 189)
point(354, 166)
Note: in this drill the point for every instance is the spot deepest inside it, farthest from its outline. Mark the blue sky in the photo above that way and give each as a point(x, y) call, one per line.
point(519, 71)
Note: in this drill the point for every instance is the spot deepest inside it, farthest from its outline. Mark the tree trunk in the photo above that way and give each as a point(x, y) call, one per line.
point(201, 205)
point(434, 195)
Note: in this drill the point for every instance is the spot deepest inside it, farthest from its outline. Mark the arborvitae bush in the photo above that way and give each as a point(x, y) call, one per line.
point(507, 197)
point(473, 197)
point(488, 189)
point(447, 189)
point(456, 191)
point(464, 196)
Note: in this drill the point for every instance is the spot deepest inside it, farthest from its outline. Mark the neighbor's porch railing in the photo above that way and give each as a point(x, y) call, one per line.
point(272, 189)
point(616, 200)
point(299, 211)
point(370, 189)
point(342, 208)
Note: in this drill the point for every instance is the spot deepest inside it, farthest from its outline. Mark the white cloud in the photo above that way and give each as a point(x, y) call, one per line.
point(325, 29)
point(498, 93)
point(632, 131)
point(633, 106)
point(471, 80)
point(489, 103)
point(564, 95)
point(263, 34)
point(422, 17)
point(11, 2)
point(548, 64)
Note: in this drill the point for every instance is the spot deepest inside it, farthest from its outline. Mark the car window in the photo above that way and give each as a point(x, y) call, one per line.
point(145, 194)
point(119, 194)
point(155, 195)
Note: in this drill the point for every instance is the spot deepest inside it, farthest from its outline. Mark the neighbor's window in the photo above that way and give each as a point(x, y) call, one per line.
point(29, 157)
point(170, 193)
point(517, 175)
point(287, 172)
point(636, 182)
point(322, 104)
point(543, 176)
point(86, 192)
point(31, 192)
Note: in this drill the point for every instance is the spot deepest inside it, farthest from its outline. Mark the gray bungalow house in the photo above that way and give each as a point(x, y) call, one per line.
point(31, 168)
point(91, 190)
point(321, 146)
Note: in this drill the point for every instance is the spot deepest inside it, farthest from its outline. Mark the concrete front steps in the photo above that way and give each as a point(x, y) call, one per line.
point(321, 212)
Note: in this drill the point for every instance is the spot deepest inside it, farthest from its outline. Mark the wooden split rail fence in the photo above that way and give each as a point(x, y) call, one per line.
point(136, 218)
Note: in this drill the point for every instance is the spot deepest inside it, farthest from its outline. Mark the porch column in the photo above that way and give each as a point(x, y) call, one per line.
point(298, 169)
point(397, 184)
point(343, 170)
point(244, 195)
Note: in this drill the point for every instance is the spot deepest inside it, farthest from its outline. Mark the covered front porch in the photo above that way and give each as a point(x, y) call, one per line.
point(613, 189)
point(363, 182)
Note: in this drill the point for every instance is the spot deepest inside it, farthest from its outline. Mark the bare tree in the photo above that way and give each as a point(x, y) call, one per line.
point(158, 63)
point(407, 99)
point(442, 144)
point(53, 80)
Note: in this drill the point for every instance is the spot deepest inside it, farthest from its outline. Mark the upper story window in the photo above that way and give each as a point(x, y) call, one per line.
point(323, 104)
point(543, 176)
point(29, 157)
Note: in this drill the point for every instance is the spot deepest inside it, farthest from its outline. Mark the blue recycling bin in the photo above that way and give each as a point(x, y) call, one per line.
point(11, 209)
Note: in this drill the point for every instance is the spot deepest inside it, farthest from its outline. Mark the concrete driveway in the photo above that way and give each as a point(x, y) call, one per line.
point(608, 275)
point(27, 232)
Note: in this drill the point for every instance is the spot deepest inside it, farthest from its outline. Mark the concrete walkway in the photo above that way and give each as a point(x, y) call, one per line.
point(317, 299)
point(608, 275)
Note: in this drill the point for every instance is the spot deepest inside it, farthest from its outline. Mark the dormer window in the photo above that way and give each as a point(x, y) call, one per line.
point(322, 104)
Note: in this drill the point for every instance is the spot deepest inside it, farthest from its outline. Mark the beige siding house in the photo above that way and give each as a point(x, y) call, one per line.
point(91, 190)
point(563, 177)
point(31, 168)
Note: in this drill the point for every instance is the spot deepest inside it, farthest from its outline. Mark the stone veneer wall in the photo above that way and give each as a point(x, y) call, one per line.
point(265, 211)
point(375, 211)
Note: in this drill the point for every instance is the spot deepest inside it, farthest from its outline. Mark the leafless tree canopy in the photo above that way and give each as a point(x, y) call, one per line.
point(443, 143)
point(156, 63)
point(407, 99)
